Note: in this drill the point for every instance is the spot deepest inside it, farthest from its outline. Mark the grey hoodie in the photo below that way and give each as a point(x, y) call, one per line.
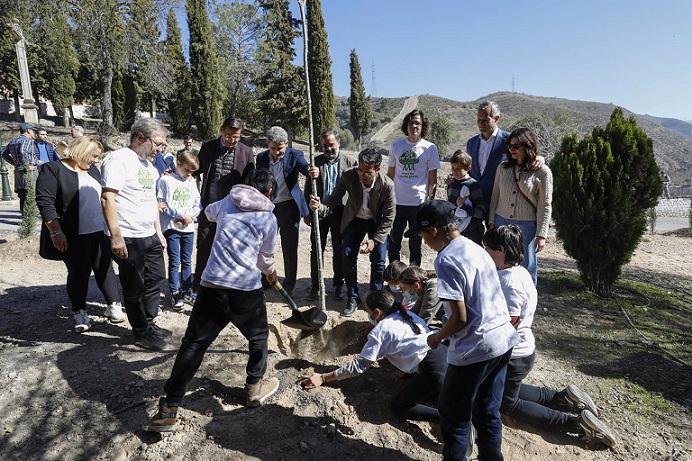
point(244, 242)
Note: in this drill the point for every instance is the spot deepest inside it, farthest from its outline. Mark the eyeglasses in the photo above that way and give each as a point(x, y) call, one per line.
point(514, 146)
point(158, 145)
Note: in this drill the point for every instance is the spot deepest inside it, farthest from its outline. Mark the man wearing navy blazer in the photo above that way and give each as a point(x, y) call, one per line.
point(290, 206)
point(487, 149)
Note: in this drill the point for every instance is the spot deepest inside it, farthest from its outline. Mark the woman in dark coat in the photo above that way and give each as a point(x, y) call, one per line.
point(68, 195)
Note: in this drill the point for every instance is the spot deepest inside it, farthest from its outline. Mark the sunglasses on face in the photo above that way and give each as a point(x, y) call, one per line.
point(514, 146)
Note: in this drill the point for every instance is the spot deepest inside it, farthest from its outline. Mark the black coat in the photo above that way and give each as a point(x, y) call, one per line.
point(57, 197)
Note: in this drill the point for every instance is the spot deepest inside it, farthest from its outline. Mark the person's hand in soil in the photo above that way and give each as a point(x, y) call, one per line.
point(313, 382)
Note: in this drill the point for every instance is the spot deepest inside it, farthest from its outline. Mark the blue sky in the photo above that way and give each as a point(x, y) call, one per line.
point(634, 53)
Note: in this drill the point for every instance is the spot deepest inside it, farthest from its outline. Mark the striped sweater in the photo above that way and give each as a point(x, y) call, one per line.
point(509, 203)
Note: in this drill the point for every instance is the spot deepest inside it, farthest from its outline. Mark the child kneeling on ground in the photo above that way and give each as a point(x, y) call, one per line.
point(537, 406)
point(231, 291)
point(401, 337)
point(479, 331)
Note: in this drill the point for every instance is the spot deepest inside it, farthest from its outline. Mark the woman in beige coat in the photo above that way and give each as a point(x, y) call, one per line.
point(522, 196)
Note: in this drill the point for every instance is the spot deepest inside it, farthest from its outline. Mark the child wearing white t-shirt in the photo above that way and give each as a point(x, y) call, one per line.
point(479, 331)
point(179, 201)
point(540, 407)
point(401, 337)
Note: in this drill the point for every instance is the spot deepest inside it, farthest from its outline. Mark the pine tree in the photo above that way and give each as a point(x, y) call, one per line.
point(603, 185)
point(207, 90)
point(179, 101)
point(319, 63)
point(359, 102)
point(281, 85)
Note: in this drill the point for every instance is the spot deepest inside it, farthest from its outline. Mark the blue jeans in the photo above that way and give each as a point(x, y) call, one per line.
point(528, 232)
point(179, 259)
point(352, 237)
point(404, 215)
point(473, 393)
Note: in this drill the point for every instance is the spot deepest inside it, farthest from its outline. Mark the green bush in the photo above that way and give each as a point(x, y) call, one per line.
point(603, 185)
point(30, 213)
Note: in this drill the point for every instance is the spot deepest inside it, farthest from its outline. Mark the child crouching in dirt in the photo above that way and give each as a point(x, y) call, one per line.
point(537, 406)
point(420, 293)
point(401, 337)
point(230, 291)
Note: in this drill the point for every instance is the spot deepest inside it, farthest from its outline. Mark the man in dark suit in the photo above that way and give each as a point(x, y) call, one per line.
point(223, 163)
point(332, 164)
point(290, 206)
point(487, 149)
point(369, 210)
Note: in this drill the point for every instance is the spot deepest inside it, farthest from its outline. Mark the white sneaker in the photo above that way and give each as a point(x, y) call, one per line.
point(114, 312)
point(82, 321)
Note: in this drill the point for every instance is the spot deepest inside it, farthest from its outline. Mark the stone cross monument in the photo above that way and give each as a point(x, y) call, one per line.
point(28, 104)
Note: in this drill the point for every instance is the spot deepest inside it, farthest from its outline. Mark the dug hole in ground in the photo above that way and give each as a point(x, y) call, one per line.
point(85, 396)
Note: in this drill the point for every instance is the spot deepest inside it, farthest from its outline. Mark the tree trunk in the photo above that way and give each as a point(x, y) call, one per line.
point(66, 117)
point(17, 107)
point(106, 102)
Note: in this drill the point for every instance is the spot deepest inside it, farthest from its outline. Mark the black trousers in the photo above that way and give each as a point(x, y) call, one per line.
point(423, 386)
point(141, 275)
point(288, 217)
point(86, 253)
point(331, 223)
point(205, 239)
point(214, 309)
point(405, 215)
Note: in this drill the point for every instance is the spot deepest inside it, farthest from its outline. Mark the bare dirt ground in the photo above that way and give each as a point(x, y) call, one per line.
point(84, 396)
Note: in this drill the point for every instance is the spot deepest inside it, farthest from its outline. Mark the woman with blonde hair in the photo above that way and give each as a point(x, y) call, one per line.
point(68, 195)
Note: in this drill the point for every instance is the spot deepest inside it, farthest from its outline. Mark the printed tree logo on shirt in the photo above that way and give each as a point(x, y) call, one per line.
point(408, 160)
point(181, 198)
point(145, 179)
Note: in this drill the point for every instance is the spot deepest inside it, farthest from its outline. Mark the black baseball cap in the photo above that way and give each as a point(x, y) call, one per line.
point(435, 213)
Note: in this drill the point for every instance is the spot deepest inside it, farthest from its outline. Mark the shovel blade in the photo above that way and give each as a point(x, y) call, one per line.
point(310, 320)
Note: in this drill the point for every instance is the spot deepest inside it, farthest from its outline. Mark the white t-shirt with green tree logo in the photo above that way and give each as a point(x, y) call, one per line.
point(135, 180)
point(412, 163)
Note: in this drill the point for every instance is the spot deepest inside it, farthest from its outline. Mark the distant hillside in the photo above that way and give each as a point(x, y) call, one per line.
point(683, 128)
point(672, 147)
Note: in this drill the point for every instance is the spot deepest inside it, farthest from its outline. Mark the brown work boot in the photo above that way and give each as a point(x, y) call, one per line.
point(165, 420)
point(258, 393)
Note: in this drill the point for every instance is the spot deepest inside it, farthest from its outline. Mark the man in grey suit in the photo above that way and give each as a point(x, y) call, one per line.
point(487, 149)
point(332, 164)
point(369, 211)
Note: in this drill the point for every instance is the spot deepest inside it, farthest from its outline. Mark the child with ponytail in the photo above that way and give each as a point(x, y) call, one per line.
point(401, 337)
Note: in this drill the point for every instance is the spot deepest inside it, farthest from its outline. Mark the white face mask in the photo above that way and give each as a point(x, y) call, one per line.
point(410, 298)
point(394, 288)
point(373, 321)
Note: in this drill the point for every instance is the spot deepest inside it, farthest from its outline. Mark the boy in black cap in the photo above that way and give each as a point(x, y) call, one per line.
point(479, 331)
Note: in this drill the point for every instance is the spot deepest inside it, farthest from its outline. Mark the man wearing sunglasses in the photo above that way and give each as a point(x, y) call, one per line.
point(132, 215)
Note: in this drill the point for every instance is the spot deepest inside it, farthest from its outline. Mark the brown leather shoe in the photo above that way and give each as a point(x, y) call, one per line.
point(165, 420)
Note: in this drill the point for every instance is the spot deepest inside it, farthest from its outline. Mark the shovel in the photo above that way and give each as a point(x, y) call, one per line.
point(309, 320)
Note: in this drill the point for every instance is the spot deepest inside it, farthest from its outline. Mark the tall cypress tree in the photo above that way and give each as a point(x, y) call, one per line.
point(360, 106)
point(319, 63)
point(281, 84)
point(207, 89)
point(604, 183)
point(179, 102)
point(62, 64)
